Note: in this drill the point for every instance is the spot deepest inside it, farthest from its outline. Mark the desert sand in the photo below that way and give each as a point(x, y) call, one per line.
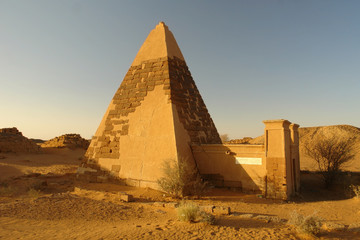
point(68, 209)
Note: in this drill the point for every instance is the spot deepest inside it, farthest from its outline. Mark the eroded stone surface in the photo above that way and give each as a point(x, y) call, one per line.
point(154, 116)
point(67, 140)
point(12, 140)
point(176, 81)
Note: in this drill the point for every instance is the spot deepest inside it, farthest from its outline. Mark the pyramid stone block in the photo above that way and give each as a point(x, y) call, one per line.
point(154, 116)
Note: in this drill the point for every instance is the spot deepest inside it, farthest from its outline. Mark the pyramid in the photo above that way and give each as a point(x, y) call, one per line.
point(155, 116)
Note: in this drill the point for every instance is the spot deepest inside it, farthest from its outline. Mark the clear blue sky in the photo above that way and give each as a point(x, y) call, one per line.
point(62, 61)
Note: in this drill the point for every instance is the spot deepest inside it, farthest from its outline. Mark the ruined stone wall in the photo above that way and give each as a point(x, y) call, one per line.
point(12, 140)
point(67, 140)
point(217, 163)
point(272, 168)
point(245, 140)
point(173, 75)
point(13, 130)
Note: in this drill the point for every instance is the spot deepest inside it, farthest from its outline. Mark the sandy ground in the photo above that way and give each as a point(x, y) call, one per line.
point(68, 209)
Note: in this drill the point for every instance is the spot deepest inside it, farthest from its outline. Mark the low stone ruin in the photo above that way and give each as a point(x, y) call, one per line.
point(12, 141)
point(68, 140)
point(245, 140)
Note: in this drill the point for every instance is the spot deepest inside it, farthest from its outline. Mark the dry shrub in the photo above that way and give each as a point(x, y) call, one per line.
point(181, 179)
point(197, 187)
point(171, 182)
point(330, 153)
point(224, 137)
point(190, 212)
point(207, 217)
point(36, 184)
point(307, 224)
point(356, 190)
point(7, 190)
point(33, 193)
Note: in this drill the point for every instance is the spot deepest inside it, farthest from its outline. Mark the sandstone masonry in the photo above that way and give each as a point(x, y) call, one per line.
point(67, 140)
point(12, 140)
point(176, 81)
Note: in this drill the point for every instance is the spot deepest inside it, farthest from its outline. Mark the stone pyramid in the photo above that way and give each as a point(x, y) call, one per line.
point(156, 115)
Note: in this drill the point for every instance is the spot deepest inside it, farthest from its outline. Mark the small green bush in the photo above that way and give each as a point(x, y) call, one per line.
point(190, 212)
point(308, 224)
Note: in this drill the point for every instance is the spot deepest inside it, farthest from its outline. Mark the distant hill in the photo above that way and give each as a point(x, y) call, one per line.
point(68, 140)
point(309, 133)
point(347, 131)
point(12, 141)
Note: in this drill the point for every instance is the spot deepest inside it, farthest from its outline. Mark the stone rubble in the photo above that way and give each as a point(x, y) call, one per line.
point(12, 141)
point(67, 140)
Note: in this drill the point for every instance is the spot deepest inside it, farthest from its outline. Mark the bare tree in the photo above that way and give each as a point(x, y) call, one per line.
point(330, 154)
point(224, 137)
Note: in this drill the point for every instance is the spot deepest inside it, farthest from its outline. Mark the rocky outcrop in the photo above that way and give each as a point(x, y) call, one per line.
point(12, 141)
point(68, 141)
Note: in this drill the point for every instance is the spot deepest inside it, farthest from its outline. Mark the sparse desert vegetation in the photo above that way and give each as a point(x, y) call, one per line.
point(181, 178)
point(224, 137)
point(34, 193)
point(93, 210)
point(310, 224)
point(156, 166)
point(188, 212)
point(40, 195)
point(6, 190)
point(356, 190)
point(330, 153)
point(191, 212)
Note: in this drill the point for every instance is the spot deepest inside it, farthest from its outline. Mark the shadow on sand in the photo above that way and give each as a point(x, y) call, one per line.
point(313, 189)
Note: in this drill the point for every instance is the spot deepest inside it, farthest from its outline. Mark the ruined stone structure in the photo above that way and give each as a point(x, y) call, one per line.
point(157, 114)
point(72, 140)
point(272, 169)
point(12, 140)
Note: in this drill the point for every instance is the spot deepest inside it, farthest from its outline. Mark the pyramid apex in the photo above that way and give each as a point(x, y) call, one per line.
point(162, 24)
point(159, 43)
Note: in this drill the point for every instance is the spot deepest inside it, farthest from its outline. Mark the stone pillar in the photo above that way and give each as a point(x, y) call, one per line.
point(278, 155)
point(295, 156)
